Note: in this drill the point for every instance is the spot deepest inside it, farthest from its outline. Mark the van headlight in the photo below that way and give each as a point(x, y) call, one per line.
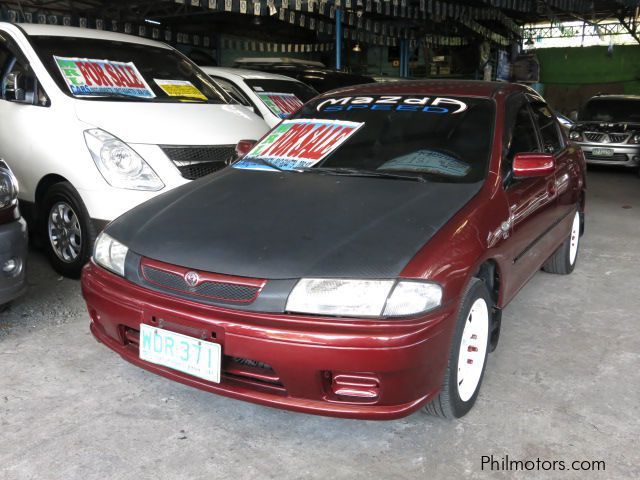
point(110, 254)
point(366, 298)
point(119, 164)
point(8, 187)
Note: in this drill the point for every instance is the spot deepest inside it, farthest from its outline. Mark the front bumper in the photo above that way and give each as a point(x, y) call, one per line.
point(296, 363)
point(623, 155)
point(13, 246)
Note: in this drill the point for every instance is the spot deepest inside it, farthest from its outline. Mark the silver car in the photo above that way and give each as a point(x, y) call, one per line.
point(608, 130)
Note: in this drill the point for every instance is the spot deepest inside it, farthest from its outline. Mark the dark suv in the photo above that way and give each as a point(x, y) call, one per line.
point(13, 239)
point(312, 73)
point(608, 130)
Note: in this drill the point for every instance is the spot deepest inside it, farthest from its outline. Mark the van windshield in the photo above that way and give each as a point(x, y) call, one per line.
point(282, 97)
point(94, 69)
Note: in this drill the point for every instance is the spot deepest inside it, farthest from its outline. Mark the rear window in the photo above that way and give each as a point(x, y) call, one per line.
point(443, 139)
point(611, 110)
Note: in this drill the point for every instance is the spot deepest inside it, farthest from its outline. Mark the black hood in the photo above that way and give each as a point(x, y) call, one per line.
point(291, 225)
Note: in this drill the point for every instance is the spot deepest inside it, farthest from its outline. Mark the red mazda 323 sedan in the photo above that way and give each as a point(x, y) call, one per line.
point(354, 262)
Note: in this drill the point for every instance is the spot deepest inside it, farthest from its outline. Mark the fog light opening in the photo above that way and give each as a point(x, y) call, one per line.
point(11, 267)
point(354, 387)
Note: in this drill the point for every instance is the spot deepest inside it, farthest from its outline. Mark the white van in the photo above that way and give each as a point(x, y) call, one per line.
point(94, 123)
point(273, 97)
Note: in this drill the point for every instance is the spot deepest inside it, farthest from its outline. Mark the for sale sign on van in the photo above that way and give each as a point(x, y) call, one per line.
point(298, 144)
point(87, 77)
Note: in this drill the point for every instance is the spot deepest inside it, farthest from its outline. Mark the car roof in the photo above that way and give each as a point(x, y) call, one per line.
point(247, 74)
point(279, 61)
point(34, 29)
point(462, 88)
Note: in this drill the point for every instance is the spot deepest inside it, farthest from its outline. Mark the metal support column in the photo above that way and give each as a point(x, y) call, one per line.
point(404, 58)
point(338, 31)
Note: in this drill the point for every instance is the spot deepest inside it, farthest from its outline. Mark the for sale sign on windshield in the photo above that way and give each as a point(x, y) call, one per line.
point(281, 104)
point(89, 77)
point(298, 144)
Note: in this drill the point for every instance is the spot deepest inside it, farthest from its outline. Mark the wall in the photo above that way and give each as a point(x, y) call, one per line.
point(572, 75)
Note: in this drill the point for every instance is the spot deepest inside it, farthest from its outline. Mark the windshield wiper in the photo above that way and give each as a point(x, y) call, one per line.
point(183, 98)
point(119, 96)
point(353, 172)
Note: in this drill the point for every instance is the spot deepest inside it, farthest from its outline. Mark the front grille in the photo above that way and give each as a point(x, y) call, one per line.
point(593, 136)
point(599, 137)
point(617, 157)
point(196, 162)
point(220, 291)
point(618, 137)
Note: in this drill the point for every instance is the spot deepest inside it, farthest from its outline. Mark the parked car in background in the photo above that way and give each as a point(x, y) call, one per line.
point(311, 73)
point(356, 260)
point(101, 122)
point(273, 97)
point(13, 239)
point(608, 130)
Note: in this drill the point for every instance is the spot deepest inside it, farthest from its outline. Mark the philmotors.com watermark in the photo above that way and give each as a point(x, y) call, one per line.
point(508, 464)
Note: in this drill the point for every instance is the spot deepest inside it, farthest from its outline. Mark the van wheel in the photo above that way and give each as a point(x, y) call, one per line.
point(468, 355)
point(563, 261)
point(67, 231)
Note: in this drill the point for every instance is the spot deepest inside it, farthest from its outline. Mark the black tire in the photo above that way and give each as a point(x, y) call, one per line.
point(63, 193)
point(449, 404)
point(562, 262)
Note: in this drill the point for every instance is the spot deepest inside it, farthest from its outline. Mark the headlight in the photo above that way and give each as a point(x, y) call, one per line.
point(575, 135)
point(110, 253)
point(119, 164)
point(367, 298)
point(8, 186)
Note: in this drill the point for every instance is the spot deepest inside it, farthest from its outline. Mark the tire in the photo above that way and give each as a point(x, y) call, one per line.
point(66, 229)
point(456, 398)
point(564, 260)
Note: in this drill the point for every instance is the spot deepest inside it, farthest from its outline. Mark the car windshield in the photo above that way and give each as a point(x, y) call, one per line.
point(96, 69)
point(611, 110)
point(282, 97)
point(422, 137)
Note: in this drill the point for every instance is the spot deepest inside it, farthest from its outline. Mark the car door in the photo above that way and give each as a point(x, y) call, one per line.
point(532, 201)
point(27, 122)
point(566, 168)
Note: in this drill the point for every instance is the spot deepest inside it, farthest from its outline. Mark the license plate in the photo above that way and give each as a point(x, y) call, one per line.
point(180, 352)
point(602, 152)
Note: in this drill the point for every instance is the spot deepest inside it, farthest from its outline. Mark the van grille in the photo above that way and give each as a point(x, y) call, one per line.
point(196, 162)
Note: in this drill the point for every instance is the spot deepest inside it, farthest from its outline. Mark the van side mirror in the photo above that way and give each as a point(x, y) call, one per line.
point(528, 165)
point(18, 87)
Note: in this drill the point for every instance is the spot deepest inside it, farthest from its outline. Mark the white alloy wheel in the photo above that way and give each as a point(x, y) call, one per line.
point(473, 349)
point(575, 239)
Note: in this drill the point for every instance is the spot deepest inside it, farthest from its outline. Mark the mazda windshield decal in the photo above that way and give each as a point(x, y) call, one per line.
point(441, 105)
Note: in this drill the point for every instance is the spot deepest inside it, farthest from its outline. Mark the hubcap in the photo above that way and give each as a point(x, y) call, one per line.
point(473, 349)
point(64, 232)
point(575, 239)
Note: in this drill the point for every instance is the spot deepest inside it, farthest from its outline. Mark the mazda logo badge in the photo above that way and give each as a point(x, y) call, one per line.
point(192, 278)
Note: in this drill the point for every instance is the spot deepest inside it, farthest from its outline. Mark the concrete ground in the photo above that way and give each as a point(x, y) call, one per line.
point(564, 384)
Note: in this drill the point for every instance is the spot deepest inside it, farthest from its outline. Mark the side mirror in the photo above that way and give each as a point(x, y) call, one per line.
point(528, 165)
point(16, 87)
